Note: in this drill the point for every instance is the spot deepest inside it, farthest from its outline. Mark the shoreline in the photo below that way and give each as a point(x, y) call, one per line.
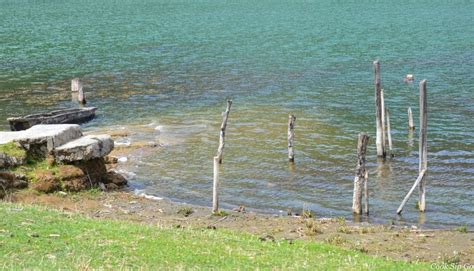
point(409, 244)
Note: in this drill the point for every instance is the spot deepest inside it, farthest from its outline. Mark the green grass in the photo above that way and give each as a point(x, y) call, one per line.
point(11, 149)
point(33, 237)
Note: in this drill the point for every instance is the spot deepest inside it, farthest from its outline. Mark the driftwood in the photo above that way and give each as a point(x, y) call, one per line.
point(215, 187)
point(417, 182)
point(378, 105)
point(291, 138)
point(220, 150)
point(360, 173)
point(63, 116)
point(423, 151)
point(411, 126)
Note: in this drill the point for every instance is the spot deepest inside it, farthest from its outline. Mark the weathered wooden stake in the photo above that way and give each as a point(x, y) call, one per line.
point(360, 173)
point(384, 131)
point(76, 84)
point(389, 133)
point(220, 150)
point(81, 96)
point(423, 151)
point(291, 137)
point(215, 187)
point(411, 126)
point(366, 191)
point(378, 105)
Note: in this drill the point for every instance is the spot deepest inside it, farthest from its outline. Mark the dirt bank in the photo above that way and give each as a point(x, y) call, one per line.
point(410, 244)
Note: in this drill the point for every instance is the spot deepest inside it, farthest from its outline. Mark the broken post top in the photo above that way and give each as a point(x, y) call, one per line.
point(226, 115)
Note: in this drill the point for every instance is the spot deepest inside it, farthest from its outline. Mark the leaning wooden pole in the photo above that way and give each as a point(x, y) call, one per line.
point(360, 173)
point(421, 176)
point(291, 137)
point(423, 151)
point(378, 110)
point(220, 150)
point(215, 187)
point(384, 131)
point(389, 132)
point(411, 126)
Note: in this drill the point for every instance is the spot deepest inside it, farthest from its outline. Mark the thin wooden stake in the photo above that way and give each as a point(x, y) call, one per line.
point(417, 182)
point(389, 133)
point(215, 187)
point(423, 151)
point(384, 131)
point(378, 106)
point(366, 191)
point(81, 97)
point(360, 173)
point(411, 126)
point(291, 137)
point(220, 150)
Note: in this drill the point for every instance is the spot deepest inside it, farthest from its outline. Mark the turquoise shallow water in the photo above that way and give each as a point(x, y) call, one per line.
point(165, 68)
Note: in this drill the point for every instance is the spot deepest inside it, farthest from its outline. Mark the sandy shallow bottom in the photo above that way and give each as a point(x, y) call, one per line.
point(402, 243)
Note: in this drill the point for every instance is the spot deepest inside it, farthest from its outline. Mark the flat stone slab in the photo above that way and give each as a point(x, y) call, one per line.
point(52, 136)
point(85, 148)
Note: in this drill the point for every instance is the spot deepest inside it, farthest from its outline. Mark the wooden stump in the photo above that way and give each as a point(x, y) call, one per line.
point(76, 84)
point(220, 150)
point(378, 108)
point(360, 173)
point(411, 126)
point(423, 151)
point(291, 137)
point(215, 186)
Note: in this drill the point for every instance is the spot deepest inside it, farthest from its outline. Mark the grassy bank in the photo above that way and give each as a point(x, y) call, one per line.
point(36, 237)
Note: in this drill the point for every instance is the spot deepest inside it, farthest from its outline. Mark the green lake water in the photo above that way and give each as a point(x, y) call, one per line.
point(164, 69)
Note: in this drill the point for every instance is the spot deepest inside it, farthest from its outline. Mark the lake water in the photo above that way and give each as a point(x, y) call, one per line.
point(165, 68)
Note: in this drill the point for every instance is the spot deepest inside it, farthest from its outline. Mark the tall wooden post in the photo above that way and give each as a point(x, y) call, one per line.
point(366, 191)
point(378, 109)
point(389, 132)
point(384, 131)
point(220, 150)
point(411, 126)
point(423, 151)
point(291, 137)
point(360, 173)
point(215, 187)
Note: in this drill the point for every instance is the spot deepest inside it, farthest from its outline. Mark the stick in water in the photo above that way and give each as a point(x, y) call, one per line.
point(360, 173)
point(389, 135)
point(411, 126)
point(417, 182)
point(366, 191)
point(215, 187)
point(291, 137)
point(423, 152)
point(220, 150)
point(378, 105)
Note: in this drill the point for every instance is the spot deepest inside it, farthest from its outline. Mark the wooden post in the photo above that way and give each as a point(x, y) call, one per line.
point(360, 173)
point(291, 137)
point(411, 126)
point(220, 150)
point(215, 187)
point(423, 151)
point(384, 131)
point(81, 96)
point(366, 191)
point(76, 84)
point(378, 109)
point(389, 133)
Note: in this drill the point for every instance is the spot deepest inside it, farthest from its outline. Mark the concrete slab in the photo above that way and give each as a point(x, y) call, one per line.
point(85, 148)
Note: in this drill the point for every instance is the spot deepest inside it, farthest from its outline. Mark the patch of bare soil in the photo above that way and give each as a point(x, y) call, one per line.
point(410, 244)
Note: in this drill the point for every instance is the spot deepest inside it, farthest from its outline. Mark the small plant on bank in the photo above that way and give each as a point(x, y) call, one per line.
point(221, 213)
point(336, 240)
point(462, 229)
point(312, 228)
point(185, 211)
